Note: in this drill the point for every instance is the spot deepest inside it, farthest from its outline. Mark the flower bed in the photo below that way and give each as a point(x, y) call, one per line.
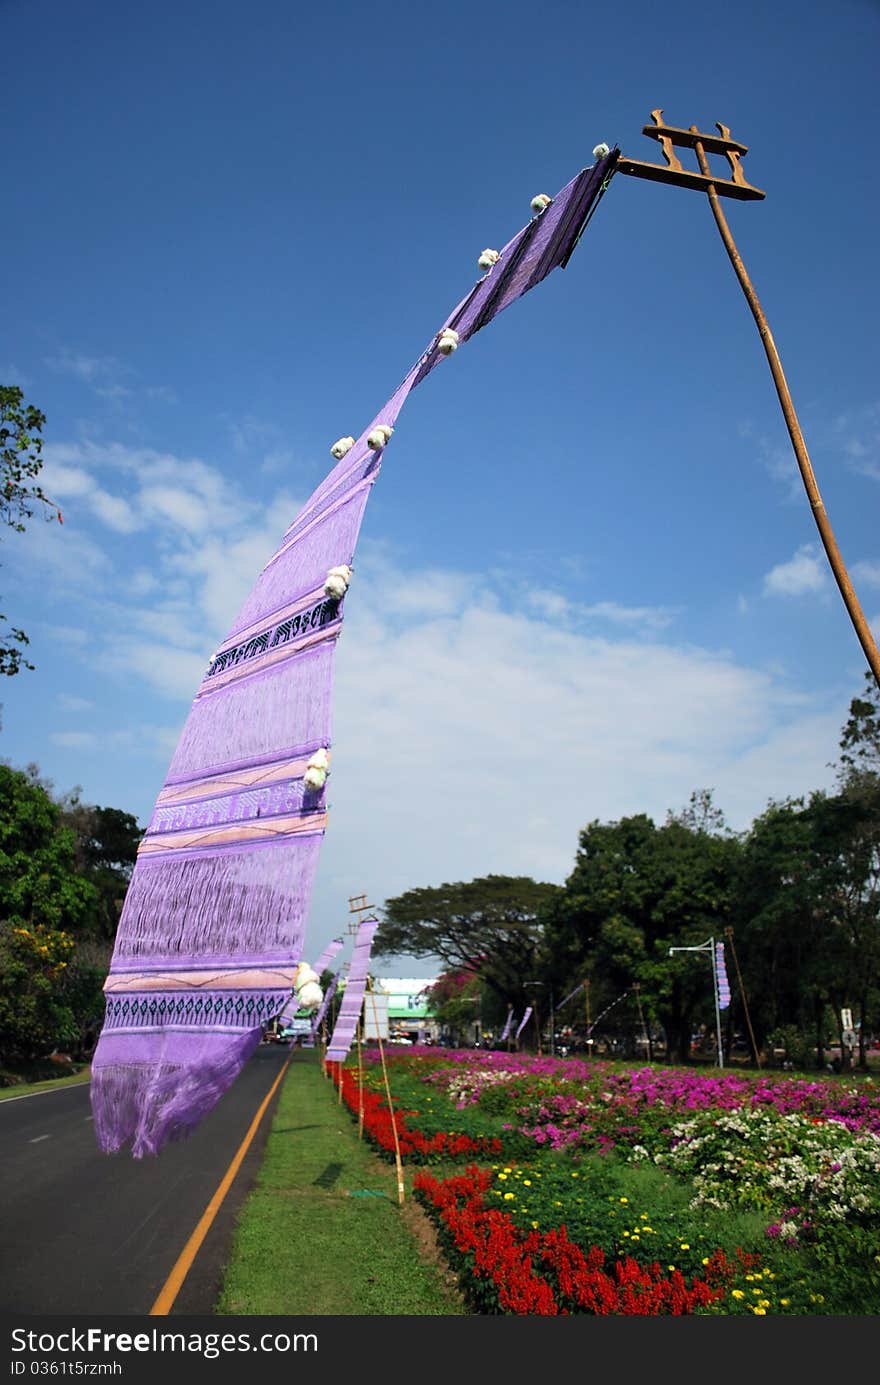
point(507, 1270)
point(646, 1183)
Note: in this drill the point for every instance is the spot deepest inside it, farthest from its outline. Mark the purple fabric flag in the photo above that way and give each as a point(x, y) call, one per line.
point(524, 1021)
point(352, 1000)
point(721, 974)
point(506, 1030)
point(215, 915)
point(293, 1006)
point(322, 1008)
point(328, 954)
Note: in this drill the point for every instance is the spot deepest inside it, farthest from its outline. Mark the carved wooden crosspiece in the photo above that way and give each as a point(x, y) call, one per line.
point(671, 137)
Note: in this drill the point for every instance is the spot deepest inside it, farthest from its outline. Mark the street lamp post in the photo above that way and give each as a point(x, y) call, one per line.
point(709, 946)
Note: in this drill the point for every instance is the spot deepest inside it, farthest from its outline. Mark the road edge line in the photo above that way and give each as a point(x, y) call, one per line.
point(182, 1266)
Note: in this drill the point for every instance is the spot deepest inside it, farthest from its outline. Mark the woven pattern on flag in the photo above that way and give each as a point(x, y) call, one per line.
point(215, 915)
point(352, 1000)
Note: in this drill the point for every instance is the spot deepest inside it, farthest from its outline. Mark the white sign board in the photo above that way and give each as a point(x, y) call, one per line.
point(375, 1015)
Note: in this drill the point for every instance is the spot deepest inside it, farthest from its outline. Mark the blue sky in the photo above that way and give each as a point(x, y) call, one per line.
point(588, 580)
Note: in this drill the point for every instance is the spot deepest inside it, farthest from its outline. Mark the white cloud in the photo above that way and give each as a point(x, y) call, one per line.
point(83, 367)
point(867, 573)
point(74, 704)
point(802, 575)
point(486, 739)
point(74, 740)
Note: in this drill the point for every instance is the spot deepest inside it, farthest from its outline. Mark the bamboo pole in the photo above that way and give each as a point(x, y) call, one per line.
point(397, 1160)
point(823, 524)
point(360, 1084)
point(587, 999)
point(742, 990)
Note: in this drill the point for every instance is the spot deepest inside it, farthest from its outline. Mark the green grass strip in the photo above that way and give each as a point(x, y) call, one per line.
point(27, 1088)
point(322, 1232)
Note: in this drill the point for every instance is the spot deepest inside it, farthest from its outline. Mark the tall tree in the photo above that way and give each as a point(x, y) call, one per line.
point(635, 890)
point(492, 926)
point(21, 462)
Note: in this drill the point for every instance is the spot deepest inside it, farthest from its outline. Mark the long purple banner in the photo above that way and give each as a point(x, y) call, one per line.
point(524, 1021)
point(353, 999)
point(322, 1009)
point(328, 954)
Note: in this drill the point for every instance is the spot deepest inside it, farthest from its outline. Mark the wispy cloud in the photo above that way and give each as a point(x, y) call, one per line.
point(74, 704)
point(867, 573)
point(802, 575)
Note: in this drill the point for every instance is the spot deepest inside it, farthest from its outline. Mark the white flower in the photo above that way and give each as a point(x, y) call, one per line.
point(379, 436)
point(488, 259)
point(341, 446)
point(541, 202)
point(600, 151)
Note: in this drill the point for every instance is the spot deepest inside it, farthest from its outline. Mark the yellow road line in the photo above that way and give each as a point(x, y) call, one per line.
point(174, 1282)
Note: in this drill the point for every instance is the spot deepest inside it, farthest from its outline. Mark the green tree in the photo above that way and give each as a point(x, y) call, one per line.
point(636, 890)
point(492, 926)
point(42, 897)
point(21, 462)
point(34, 1012)
point(105, 849)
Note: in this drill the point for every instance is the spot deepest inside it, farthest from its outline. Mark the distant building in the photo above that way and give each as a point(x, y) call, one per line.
point(409, 1015)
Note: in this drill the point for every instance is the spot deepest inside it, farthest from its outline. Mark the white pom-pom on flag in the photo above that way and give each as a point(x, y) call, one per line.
point(310, 996)
point(342, 446)
point(600, 151)
point(488, 259)
point(338, 580)
point(379, 436)
point(447, 342)
point(315, 776)
point(306, 988)
point(540, 203)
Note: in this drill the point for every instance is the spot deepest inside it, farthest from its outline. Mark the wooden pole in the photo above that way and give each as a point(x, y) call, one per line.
point(823, 524)
point(587, 998)
point(397, 1160)
point(742, 990)
point(360, 1085)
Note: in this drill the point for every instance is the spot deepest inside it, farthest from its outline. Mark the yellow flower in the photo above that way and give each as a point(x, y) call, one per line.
point(509, 1196)
point(502, 1177)
point(534, 1226)
point(527, 1182)
point(626, 1233)
point(648, 1228)
point(624, 1199)
point(760, 1312)
point(763, 1303)
point(737, 1293)
point(684, 1246)
point(785, 1302)
point(749, 1277)
point(670, 1267)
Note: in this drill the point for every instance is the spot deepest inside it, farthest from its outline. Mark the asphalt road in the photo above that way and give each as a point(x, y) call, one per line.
point(84, 1232)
